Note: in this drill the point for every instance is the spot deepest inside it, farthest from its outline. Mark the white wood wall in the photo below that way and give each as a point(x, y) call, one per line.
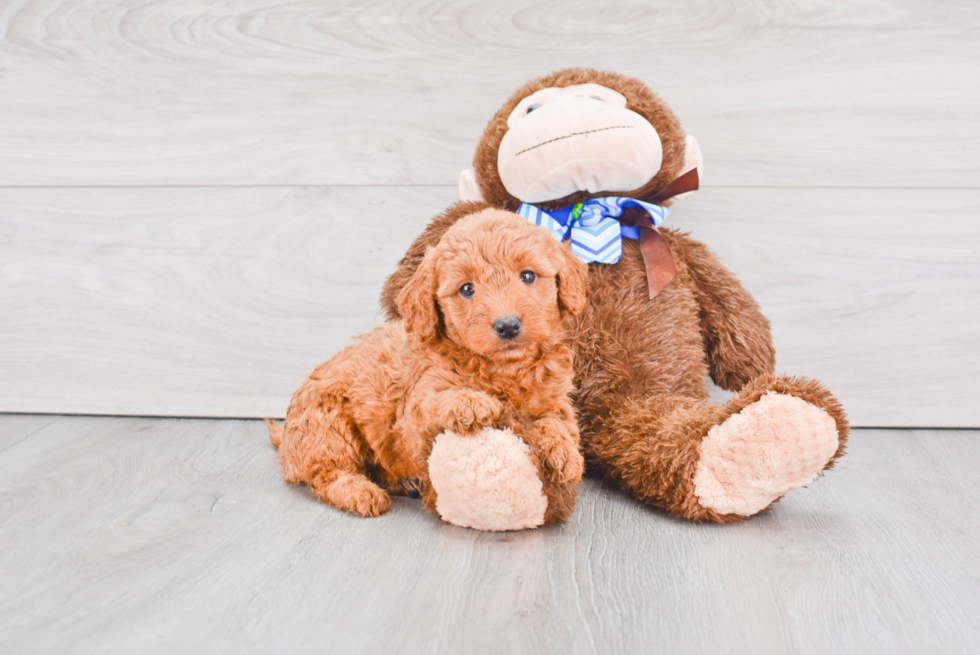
point(199, 201)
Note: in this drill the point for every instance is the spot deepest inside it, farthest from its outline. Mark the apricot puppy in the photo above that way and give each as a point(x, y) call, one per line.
point(480, 344)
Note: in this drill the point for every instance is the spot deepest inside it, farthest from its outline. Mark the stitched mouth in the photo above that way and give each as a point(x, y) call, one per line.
point(568, 136)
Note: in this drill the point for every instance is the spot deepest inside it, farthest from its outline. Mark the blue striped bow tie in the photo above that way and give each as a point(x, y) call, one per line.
point(595, 233)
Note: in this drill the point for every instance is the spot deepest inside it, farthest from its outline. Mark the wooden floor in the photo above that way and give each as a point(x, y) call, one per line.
point(128, 535)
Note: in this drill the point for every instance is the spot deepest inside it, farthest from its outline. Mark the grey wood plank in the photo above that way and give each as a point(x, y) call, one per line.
point(168, 300)
point(132, 92)
point(167, 535)
point(217, 302)
point(875, 293)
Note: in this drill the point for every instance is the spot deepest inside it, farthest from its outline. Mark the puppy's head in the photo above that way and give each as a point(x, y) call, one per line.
point(496, 285)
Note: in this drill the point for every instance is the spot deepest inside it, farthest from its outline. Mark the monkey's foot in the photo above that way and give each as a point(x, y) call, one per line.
point(486, 481)
point(771, 446)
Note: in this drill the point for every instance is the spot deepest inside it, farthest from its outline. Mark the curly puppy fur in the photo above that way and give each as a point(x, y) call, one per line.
point(365, 421)
point(641, 363)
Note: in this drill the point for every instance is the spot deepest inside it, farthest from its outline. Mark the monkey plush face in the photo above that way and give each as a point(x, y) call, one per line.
point(575, 135)
point(561, 140)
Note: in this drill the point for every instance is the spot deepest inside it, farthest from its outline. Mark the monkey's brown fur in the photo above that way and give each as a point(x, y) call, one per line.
point(370, 414)
point(640, 363)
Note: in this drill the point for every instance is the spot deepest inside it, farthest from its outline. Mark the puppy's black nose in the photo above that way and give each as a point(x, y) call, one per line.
point(507, 328)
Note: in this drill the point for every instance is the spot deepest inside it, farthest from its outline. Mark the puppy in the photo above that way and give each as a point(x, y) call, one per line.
point(480, 345)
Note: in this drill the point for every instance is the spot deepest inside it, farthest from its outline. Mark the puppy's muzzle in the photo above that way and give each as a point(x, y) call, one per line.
point(507, 327)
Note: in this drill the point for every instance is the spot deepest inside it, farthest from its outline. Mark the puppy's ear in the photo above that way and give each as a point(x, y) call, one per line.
point(573, 276)
point(417, 302)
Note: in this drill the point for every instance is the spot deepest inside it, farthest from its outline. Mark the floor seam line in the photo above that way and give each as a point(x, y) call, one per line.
point(28, 436)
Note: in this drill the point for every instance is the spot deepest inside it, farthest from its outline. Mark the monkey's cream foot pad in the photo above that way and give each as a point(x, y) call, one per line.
point(486, 481)
point(774, 445)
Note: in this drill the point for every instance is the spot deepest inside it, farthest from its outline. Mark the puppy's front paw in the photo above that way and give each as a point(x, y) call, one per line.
point(565, 462)
point(558, 446)
point(471, 411)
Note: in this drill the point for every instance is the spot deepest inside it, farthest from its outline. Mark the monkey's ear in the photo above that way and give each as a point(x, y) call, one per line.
point(573, 276)
point(469, 190)
point(692, 160)
point(692, 157)
point(417, 302)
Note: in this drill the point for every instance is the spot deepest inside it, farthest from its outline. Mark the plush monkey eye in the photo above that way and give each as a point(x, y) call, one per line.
point(532, 108)
point(467, 290)
point(527, 277)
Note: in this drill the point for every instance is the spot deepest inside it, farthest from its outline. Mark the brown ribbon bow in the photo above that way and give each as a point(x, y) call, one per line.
point(657, 256)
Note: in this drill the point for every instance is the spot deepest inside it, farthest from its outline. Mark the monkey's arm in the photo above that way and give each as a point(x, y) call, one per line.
point(736, 334)
point(430, 237)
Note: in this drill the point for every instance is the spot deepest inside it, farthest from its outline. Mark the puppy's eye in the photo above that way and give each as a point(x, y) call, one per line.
point(467, 290)
point(532, 108)
point(527, 277)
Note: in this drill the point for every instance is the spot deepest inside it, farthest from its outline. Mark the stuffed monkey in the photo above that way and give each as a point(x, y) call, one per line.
point(594, 157)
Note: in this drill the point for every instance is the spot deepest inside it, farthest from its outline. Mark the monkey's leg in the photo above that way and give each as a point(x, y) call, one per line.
point(492, 480)
point(721, 463)
point(321, 447)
